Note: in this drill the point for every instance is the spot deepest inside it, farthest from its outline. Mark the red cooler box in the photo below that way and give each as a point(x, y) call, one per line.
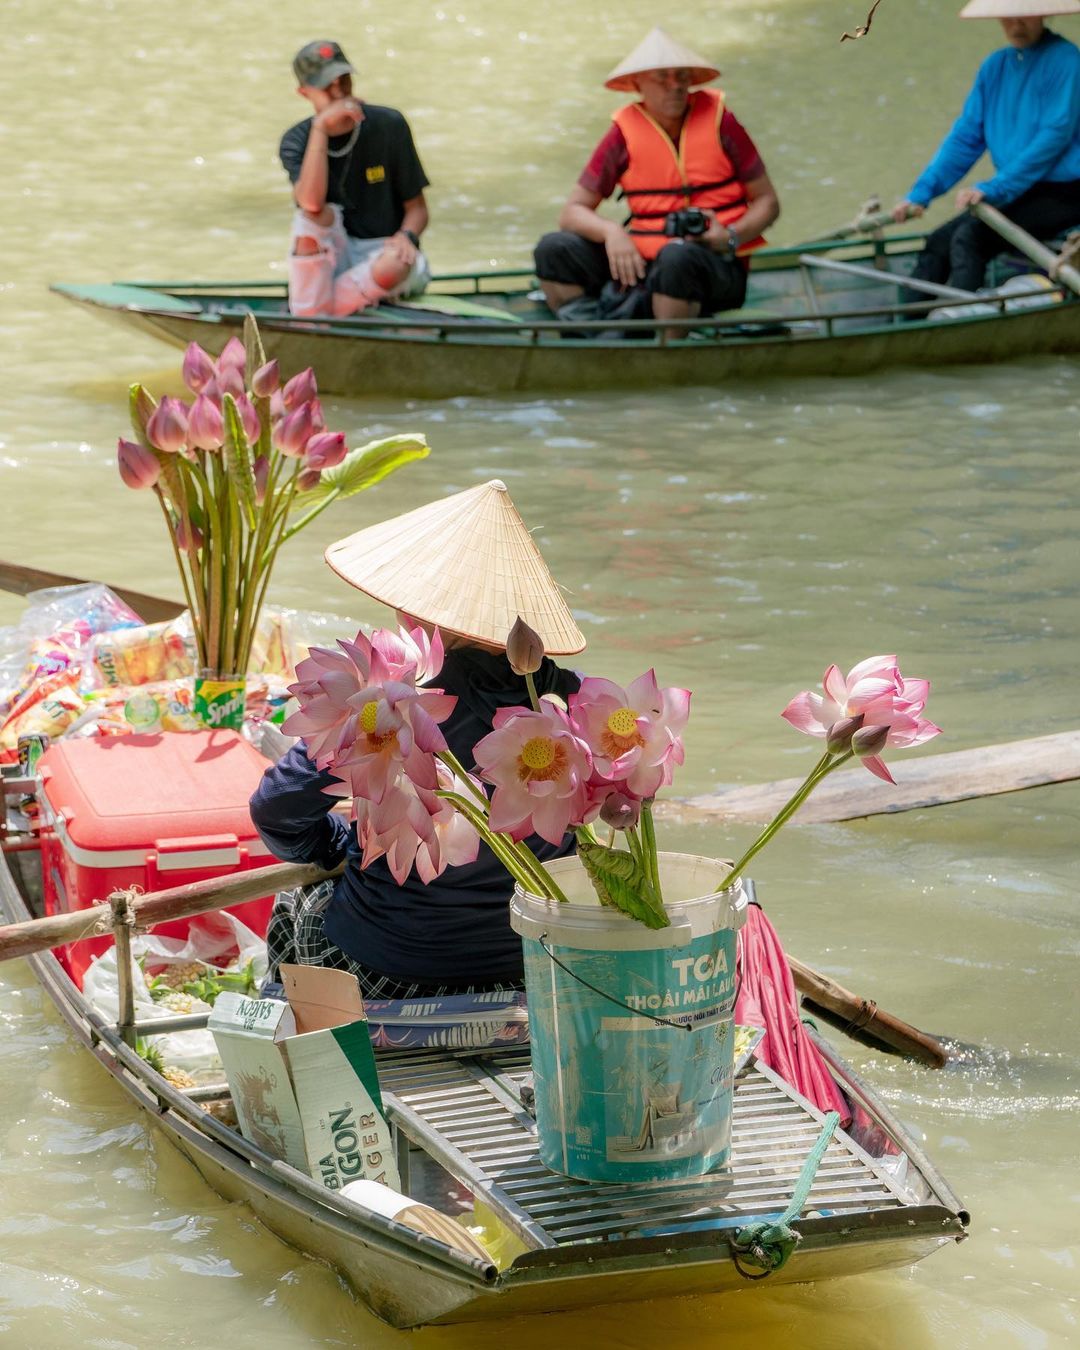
point(149, 811)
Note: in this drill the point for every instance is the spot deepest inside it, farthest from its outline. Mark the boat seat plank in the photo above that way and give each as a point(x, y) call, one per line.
point(465, 1110)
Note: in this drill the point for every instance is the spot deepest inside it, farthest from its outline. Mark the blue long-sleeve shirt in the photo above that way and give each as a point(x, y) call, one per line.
point(454, 930)
point(1025, 110)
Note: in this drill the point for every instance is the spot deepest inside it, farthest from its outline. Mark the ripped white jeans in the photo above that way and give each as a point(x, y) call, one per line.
point(337, 279)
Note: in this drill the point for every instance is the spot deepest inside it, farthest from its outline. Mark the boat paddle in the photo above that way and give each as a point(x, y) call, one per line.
point(1060, 271)
point(20, 580)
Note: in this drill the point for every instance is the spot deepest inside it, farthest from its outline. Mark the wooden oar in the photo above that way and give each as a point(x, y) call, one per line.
point(863, 1019)
point(20, 580)
point(178, 902)
point(1039, 254)
point(929, 781)
point(877, 274)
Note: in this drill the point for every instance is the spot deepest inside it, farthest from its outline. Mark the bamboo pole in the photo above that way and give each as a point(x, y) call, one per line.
point(123, 922)
point(1031, 247)
point(178, 902)
point(863, 1015)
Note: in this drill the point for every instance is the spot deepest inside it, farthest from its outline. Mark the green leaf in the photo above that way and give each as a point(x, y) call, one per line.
point(622, 884)
point(141, 407)
point(367, 465)
point(256, 357)
point(238, 459)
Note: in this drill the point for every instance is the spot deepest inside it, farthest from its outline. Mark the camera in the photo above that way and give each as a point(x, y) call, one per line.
point(687, 222)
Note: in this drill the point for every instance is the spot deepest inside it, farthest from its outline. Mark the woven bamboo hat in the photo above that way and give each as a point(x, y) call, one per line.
point(1018, 9)
point(659, 51)
point(466, 563)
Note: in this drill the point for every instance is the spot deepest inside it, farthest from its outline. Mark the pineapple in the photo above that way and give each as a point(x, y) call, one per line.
point(179, 1078)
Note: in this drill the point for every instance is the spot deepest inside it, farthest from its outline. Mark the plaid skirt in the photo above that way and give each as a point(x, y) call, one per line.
point(295, 936)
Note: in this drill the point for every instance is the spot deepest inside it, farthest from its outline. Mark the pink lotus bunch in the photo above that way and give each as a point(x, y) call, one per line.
point(229, 466)
point(365, 716)
point(550, 769)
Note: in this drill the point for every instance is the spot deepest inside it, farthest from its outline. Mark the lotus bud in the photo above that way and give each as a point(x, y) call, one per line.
point(300, 389)
point(249, 418)
point(206, 428)
point(189, 537)
point(838, 737)
point(277, 407)
point(230, 380)
point(139, 467)
point(266, 380)
point(232, 355)
point(261, 469)
point(167, 427)
point(318, 421)
point(198, 368)
point(869, 741)
point(620, 812)
point(524, 648)
point(325, 450)
point(293, 432)
point(308, 479)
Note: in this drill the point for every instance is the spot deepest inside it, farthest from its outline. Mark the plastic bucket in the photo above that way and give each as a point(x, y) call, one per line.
point(631, 1027)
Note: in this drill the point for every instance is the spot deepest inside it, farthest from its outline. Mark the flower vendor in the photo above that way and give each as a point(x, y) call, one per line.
point(459, 572)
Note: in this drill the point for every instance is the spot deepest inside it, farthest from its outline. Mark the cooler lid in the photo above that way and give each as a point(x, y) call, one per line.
point(117, 792)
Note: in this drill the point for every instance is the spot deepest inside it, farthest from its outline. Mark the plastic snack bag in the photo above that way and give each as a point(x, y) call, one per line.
point(144, 655)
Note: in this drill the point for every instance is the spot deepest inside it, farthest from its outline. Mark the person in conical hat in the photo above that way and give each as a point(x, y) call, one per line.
point(1024, 110)
point(467, 565)
point(696, 191)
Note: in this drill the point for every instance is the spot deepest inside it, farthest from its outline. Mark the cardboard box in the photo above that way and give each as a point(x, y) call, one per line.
point(303, 1077)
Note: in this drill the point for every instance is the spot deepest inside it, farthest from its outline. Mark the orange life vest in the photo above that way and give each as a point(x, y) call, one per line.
point(663, 177)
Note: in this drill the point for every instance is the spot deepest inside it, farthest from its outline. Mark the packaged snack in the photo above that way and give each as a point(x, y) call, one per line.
point(144, 655)
point(165, 706)
point(51, 715)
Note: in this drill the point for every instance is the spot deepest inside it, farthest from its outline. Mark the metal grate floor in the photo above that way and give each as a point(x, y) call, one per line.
point(465, 1110)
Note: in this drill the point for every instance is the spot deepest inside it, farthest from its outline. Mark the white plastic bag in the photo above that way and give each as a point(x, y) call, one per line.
point(212, 939)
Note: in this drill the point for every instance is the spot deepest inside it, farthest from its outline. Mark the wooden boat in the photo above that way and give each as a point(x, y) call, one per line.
point(489, 333)
point(876, 1200)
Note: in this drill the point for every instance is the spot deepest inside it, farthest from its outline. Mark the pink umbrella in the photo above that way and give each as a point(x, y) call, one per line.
point(767, 998)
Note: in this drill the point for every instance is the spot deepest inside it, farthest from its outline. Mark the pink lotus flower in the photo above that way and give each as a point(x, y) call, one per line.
point(266, 380)
point(318, 421)
point(409, 653)
point(412, 826)
point(261, 469)
point(233, 354)
point(325, 450)
point(168, 424)
point(308, 479)
point(198, 368)
point(189, 537)
point(875, 691)
point(300, 389)
point(395, 734)
point(206, 428)
point(139, 467)
point(294, 431)
point(635, 734)
point(249, 419)
point(325, 682)
point(540, 769)
point(229, 380)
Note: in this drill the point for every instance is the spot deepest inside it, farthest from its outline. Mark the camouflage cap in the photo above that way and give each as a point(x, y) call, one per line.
point(320, 63)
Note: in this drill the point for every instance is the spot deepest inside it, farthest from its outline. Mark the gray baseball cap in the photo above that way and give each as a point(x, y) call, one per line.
point(320, 63)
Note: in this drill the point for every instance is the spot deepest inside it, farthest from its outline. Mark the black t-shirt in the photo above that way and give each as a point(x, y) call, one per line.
point(372, 181)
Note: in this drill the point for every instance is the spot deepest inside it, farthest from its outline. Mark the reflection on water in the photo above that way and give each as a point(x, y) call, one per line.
point(740, 538)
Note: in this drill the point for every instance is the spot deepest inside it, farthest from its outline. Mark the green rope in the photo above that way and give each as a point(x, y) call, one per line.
point(769, 1242)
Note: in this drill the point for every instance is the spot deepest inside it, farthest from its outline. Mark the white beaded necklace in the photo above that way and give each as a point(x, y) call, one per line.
point(347, 147)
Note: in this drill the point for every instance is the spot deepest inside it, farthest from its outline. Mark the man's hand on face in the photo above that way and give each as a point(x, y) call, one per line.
point(339, 114)
point(626, 263)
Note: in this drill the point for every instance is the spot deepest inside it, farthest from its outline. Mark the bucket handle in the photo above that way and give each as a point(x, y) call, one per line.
point(635, 1012)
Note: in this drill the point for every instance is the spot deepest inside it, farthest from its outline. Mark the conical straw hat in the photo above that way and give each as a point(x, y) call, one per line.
point(466, 563)
point(1018, 9)
point(659, 51)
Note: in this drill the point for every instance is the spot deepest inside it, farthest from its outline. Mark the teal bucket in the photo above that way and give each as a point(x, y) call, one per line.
point(631, 1027)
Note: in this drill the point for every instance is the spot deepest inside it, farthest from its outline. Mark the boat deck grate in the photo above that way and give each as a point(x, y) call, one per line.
point(468, 1109)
